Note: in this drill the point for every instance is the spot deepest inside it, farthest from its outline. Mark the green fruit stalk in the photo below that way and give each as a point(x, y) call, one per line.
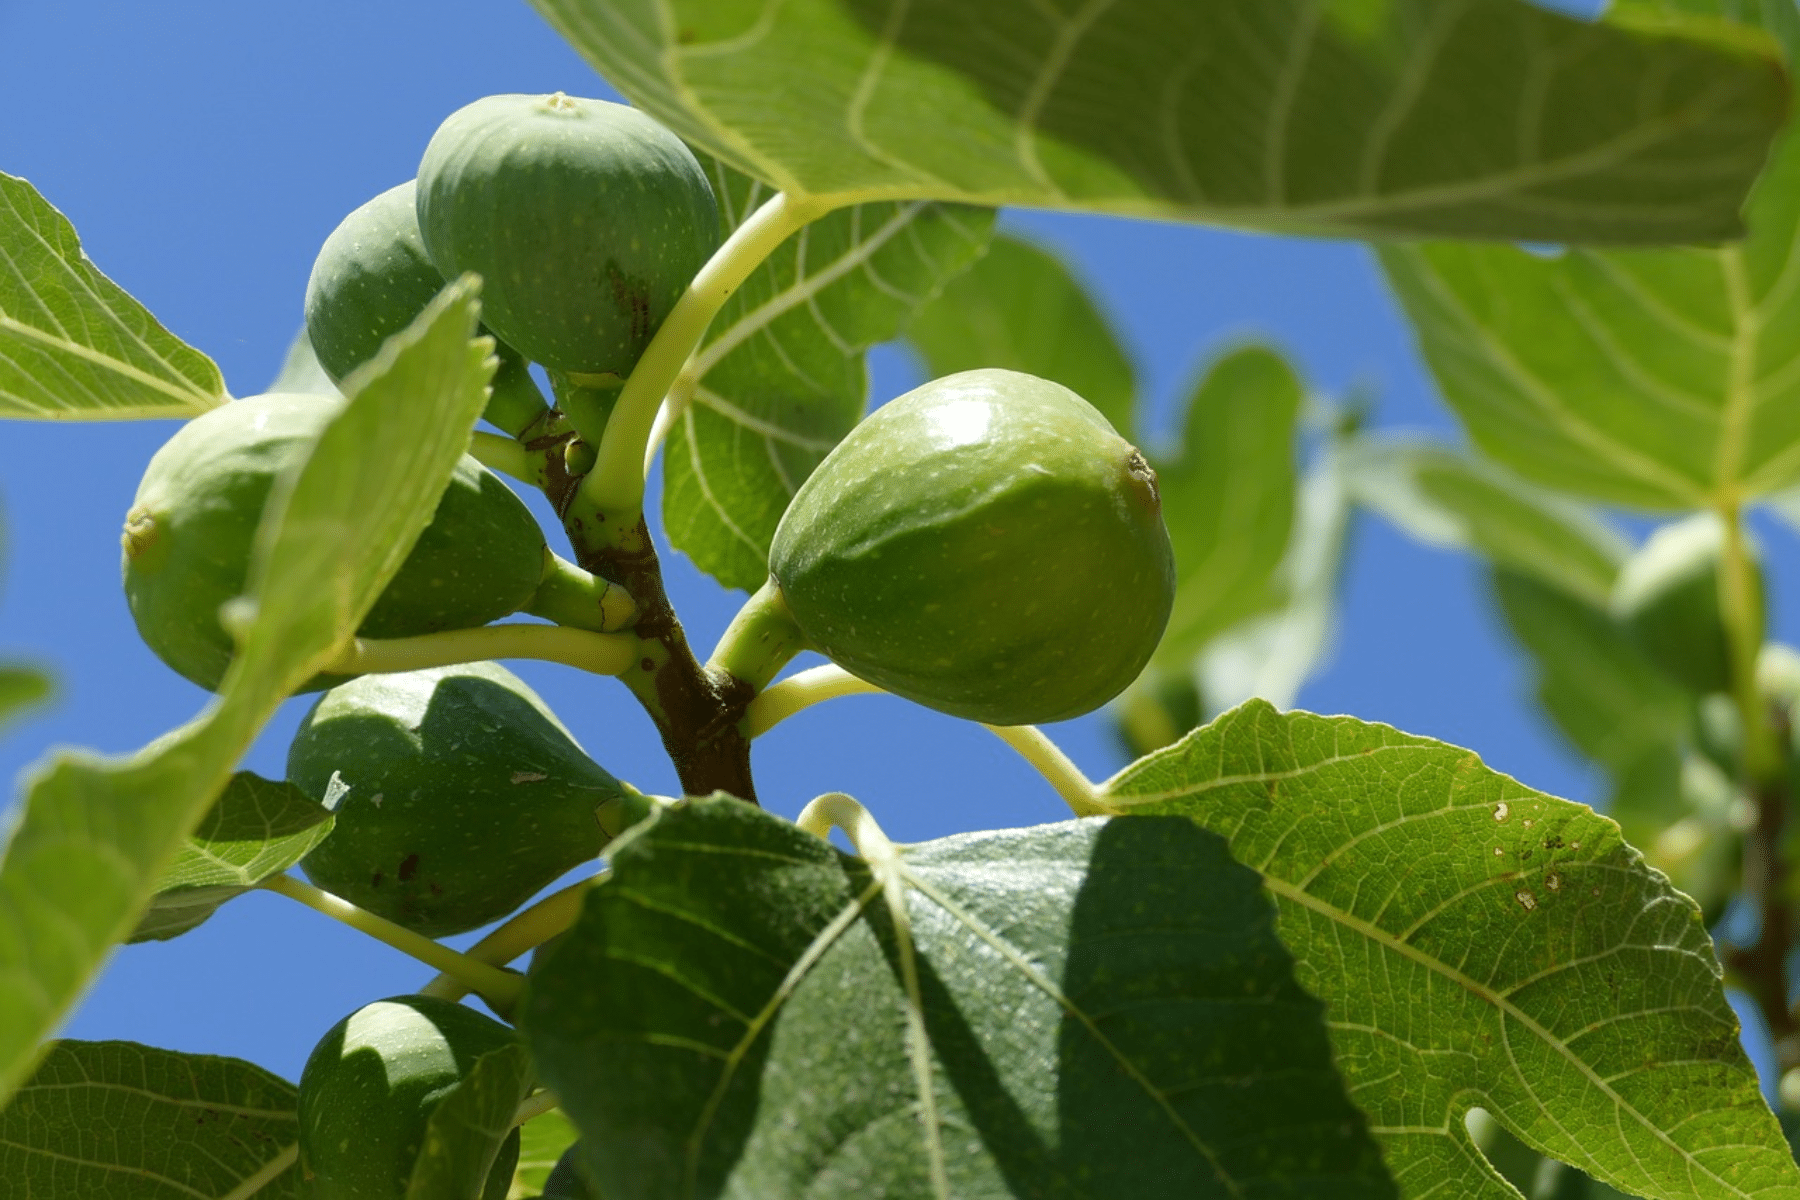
point(189, 534)
point(985, 545)
point(1667, 598)
point(585, 220)
point(370, 1086)
point(465, 795)
point(372, 277)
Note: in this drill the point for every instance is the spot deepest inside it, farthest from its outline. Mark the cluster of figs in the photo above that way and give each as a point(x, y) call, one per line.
point(986, 545)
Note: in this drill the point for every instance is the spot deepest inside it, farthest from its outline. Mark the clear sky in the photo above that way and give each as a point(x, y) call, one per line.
point(205, 149)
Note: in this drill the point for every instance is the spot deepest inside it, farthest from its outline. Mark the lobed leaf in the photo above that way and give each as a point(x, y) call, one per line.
point(542, 1140)
point(780, 377)
point(1477, 943)
point(1020, 307)
point(1443, 497)
point(120, 1121)
point(1664, 379)
point(1095, 1008)
point(255, 829)
point(1450, 118)
point(73, 344)
point(96, 833)
point(22, 689)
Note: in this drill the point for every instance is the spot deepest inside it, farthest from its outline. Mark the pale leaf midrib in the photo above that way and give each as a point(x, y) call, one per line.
point(190, 395)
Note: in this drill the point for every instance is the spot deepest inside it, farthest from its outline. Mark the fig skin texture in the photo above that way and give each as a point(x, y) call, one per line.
point(370, 1086)
point(189, 534)
point(585, 219)
point(985, 545)
point(371, 279)
point(466, 795)
point(1667, 598)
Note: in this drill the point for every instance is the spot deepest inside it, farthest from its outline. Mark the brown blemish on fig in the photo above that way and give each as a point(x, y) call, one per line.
point(409, 868)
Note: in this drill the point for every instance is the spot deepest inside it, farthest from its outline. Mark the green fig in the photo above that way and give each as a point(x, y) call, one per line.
point(372, 277)
point(1667, 598)
point(457, 795)
point(586, 221)
point(985, 545)
point(370, 1086)
point(189, 534)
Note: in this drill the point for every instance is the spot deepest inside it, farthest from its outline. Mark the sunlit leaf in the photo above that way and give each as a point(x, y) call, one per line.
point(256, 828)
point(73, 345)
point(120, 1121)
point(1086, 1009)
point(1477, 943)
point(1478, 118)
point(96, 833)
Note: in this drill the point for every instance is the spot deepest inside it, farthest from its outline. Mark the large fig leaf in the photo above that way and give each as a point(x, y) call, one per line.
point(781, 377)
point(256, 828)
point(73, 344)
point(96, 833)
point(1021, 308)
point(1454, 118)
point(1664, 379)
point(1447, 498)
point(1477, 943)
point(1091, 1009)
point(120, 1121)
point(468, 1128)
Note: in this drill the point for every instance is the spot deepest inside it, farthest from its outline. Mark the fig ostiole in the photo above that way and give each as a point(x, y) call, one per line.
point(370, 1086)
point(188, 538)
point(371, 278)
point(1667, 598)
point(986, 545)
point(585, 219)
point(457, 795)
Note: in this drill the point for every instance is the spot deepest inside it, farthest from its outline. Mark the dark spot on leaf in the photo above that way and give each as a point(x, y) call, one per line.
point(1554, 843)
point(409, 867)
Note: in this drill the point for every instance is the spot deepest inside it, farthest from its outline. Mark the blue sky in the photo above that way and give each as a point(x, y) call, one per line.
point(205, 149)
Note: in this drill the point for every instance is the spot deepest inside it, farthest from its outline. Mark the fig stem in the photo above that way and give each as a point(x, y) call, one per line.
point(501, 989)
point(615, 486)
point(504, 455)
point(583, 649)
point(835, 810)
point(580, 599)
point(760, 640)
point(798, 692)
point(681, 394)
point(536, 1105)
point(525, 930)
point(1078, 791)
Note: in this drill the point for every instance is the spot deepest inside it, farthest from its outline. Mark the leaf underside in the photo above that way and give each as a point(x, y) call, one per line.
point(1451, 118)
point(1477, 943)
point(1091, 1009)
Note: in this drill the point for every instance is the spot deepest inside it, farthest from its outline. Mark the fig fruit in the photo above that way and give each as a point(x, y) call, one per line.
point(189, 534)
point(985, 545)
point(372, 277)
point(585, 219)
point(457, 793)
point(1667, 598)
point(370, 1086)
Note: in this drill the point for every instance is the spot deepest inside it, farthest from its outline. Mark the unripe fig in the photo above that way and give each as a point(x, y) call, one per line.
point(1667, 598)
point(370, 1086)
point(985, 545)
point(372, 277)
point(465, 795)
point(586, 220)
point(189, 534)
